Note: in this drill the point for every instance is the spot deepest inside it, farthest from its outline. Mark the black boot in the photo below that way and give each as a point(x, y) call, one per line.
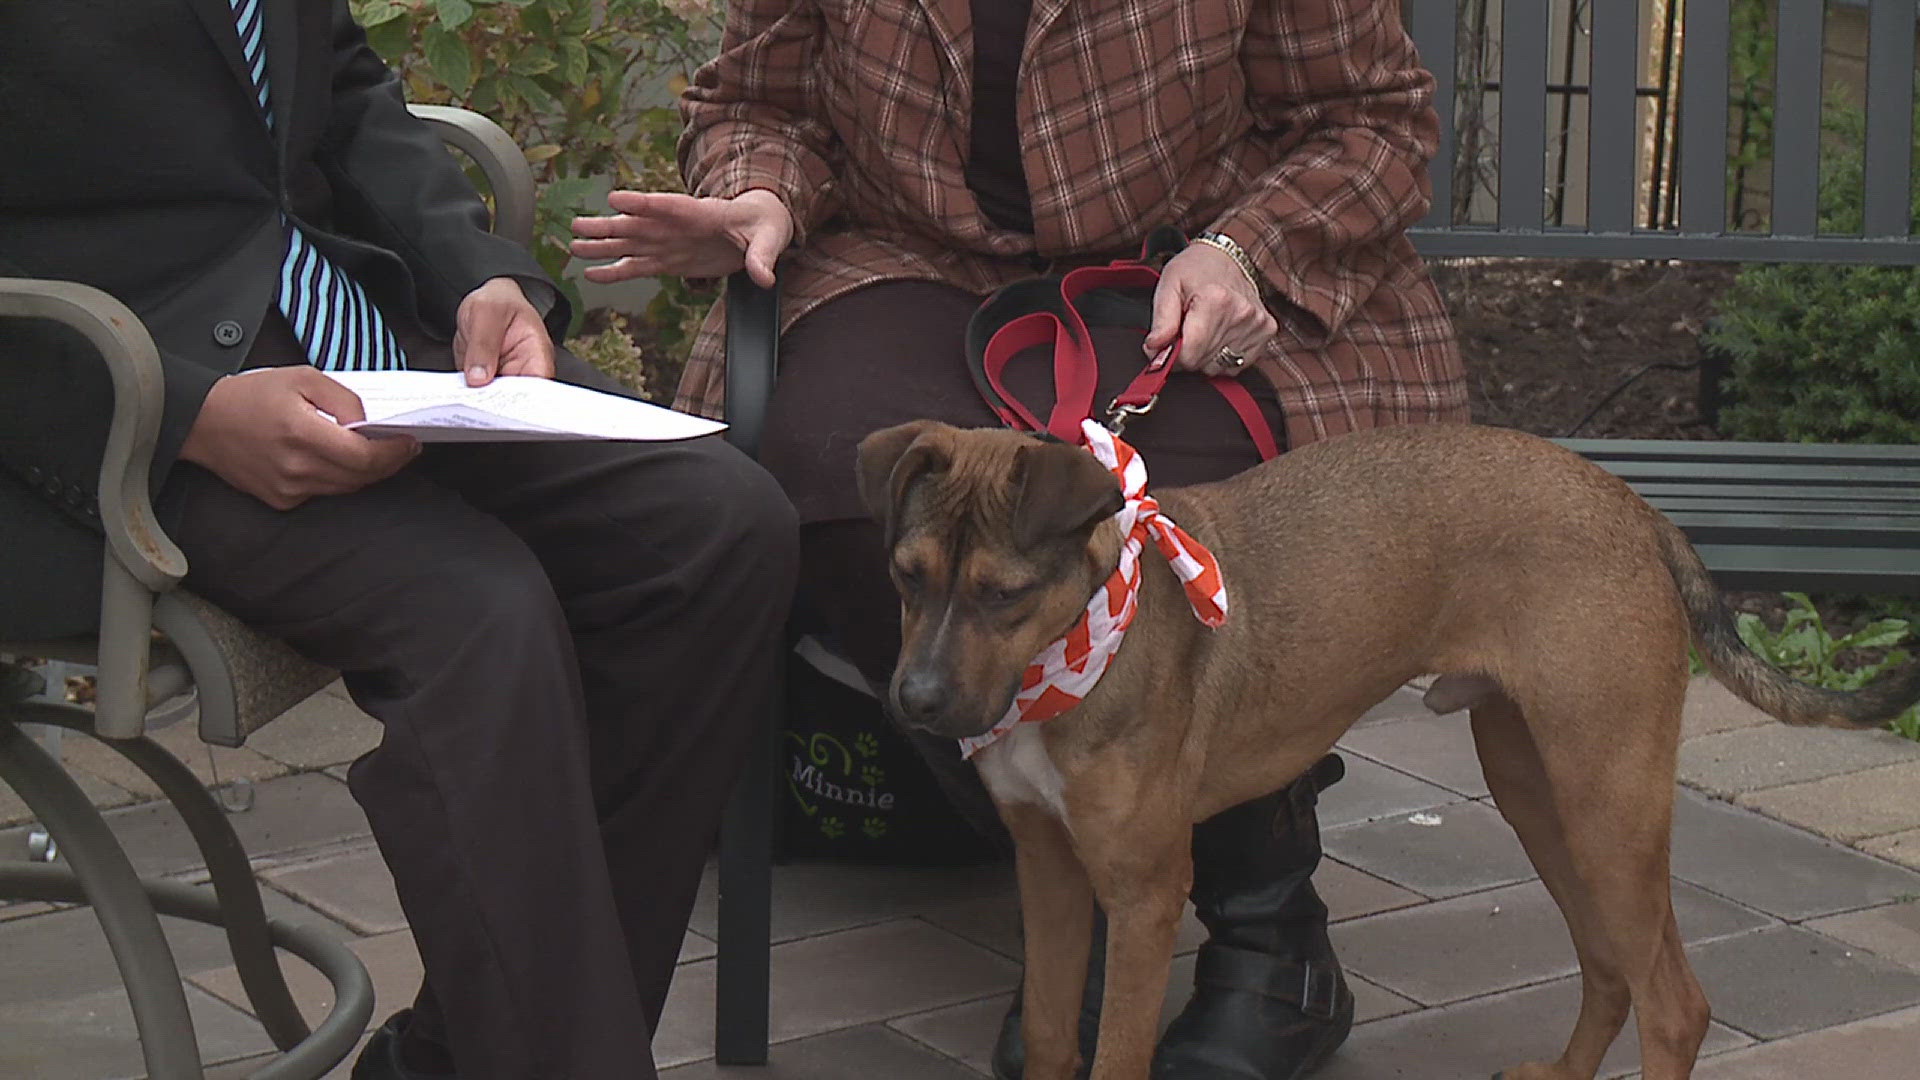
point(1010, 1049)
point(1269, 1000)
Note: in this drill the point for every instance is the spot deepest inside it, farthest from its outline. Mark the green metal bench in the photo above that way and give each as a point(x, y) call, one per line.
point(1783, 515)
point(1764, 516)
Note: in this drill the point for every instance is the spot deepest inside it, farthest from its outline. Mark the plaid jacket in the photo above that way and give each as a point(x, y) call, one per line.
point(1301, 128)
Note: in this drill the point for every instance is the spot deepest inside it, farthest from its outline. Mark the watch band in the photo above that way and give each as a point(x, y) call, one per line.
point(1238, 254)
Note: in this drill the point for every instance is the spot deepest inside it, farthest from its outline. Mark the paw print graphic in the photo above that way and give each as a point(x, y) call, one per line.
point(874, 827)
point(872, 775)
point(833, 827)
point(866, 745)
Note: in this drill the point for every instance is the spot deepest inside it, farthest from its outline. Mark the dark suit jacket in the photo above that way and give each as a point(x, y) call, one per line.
point(133, 158)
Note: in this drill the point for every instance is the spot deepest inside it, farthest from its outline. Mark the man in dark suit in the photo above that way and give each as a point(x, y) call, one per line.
point(568, 643)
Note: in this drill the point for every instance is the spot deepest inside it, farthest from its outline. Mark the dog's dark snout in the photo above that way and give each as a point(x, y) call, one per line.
point(920, 695)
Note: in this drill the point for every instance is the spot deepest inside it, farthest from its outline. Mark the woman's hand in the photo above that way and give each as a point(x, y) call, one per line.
point(658, 232)
point(1207, 302)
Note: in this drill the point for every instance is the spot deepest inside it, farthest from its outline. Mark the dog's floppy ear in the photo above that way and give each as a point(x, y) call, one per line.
point(890, 459)
point(1063, 490)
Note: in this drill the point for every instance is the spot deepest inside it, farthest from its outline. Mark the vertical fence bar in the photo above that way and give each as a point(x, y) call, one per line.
point(1889, 153)
point(1703, 117)
point(1524, 44)
point(1433, 25)
point(1796, 117)
point(1613, 130)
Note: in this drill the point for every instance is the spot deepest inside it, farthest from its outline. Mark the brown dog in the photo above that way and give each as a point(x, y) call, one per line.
point(1550, 600)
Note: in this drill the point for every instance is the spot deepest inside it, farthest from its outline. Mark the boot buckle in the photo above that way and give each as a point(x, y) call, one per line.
point(1319, 990)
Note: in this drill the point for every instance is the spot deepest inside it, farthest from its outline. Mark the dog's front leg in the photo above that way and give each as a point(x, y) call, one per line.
point(1141, 879)
point(1056, 911)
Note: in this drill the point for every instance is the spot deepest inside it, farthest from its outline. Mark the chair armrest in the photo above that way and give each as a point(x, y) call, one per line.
point(141, 560)
point(753, 358)
point(499, 157)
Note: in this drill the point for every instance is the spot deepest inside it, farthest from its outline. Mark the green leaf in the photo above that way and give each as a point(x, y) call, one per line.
point(567, 195)
point(534, 61)
point(1877, 635)
point(392, 40)
point(449, 57)
point(534, 94)
point(378, 13)
point(453, 13)
point(1757, 637)
point(574, 62)
point(1800, 648)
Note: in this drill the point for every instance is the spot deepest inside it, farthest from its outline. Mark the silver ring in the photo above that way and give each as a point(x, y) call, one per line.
point(1230, 358)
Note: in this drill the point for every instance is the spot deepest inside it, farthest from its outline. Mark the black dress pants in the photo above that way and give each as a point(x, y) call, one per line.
point(569, 645)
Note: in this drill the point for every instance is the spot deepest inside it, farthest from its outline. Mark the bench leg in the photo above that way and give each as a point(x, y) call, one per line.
point(743, 975)
point(119, 901)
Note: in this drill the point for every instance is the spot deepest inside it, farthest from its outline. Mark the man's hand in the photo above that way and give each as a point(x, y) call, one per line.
point(264, 433)
point(1207, 302)
point(658, 232)
point(499, 332)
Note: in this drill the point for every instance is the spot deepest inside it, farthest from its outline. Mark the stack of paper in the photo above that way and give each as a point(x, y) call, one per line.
point(439, 406)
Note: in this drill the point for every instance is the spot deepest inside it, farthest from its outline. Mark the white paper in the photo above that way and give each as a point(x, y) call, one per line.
point(439, 406)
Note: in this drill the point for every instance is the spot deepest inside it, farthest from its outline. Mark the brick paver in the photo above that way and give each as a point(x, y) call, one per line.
point(1809, 949)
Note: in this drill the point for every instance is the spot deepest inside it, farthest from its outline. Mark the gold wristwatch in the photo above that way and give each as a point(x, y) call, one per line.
point(1238, 254)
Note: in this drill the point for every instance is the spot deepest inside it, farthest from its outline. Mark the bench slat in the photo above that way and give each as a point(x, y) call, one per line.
point(1908, 510)
point(1812, 569)
point(1703, 117)
point(1783, 494)
point(1823, 530)
point(1569, 243)
point(1783, 453)
point(1763, 473)
point(1612, 128)
point(1796, 116)
point(1889, 152)
point(1523, 116)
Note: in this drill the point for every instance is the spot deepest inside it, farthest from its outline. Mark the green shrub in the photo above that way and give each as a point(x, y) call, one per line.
point(561, 76)
point(611, 349)
point(1807, 650)
point(1824, 353)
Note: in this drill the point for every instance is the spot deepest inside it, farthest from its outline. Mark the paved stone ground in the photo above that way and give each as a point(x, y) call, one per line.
point(1807, 939)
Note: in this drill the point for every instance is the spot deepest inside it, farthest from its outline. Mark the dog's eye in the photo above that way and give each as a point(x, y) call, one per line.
point(907, 578)
point(1001, 595)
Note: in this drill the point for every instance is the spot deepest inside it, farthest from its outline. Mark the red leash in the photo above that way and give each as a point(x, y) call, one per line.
point(1057, 312)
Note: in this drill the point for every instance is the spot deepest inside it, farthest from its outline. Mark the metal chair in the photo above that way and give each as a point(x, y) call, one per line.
point(160, 651)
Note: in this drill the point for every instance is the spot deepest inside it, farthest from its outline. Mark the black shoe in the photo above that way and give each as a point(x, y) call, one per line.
point(380, 1059)
point(1010, 1049)
point(1269, 999)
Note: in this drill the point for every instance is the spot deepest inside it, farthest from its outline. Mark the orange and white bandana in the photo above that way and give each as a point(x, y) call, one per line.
point(1065, 672)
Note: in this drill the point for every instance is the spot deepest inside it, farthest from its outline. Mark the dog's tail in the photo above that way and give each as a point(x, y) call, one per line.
point(1760, 684)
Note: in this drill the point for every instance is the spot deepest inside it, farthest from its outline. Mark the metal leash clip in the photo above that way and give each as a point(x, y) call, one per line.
point(1118, 414)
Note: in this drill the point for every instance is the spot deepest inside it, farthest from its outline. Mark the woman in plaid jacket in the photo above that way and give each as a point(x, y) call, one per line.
point(900, 159)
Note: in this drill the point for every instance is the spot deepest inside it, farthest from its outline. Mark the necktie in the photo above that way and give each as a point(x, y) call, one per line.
point(332, 316)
